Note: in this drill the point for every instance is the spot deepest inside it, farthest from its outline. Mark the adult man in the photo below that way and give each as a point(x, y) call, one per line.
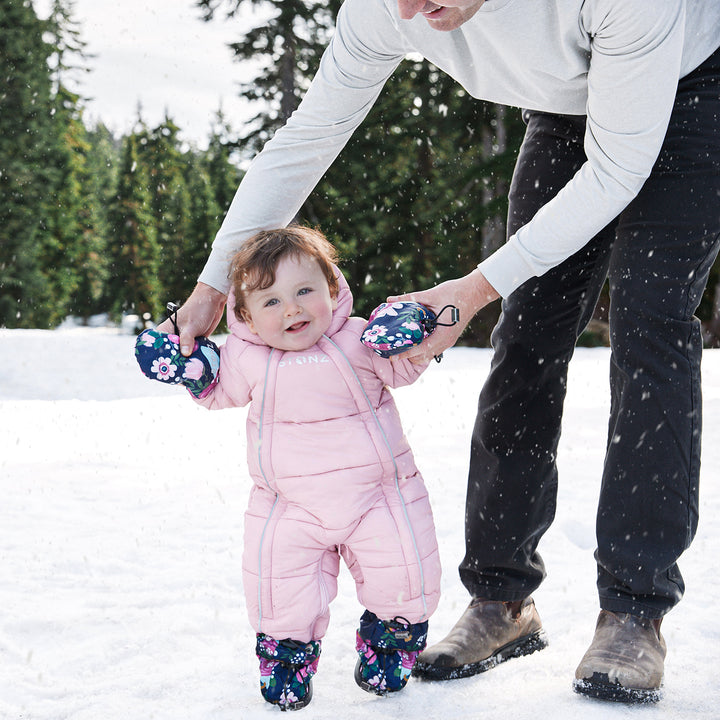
point(619, 174)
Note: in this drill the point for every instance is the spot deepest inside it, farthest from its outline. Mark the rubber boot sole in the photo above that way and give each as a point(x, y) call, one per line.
point(297, 705)
point(372, 689)
point(600, 686)
point(525, 645)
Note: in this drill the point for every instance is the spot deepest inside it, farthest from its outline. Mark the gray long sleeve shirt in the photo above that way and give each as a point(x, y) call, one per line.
point(616, 61)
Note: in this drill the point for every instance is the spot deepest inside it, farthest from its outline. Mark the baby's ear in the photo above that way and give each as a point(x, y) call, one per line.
point(245, 317)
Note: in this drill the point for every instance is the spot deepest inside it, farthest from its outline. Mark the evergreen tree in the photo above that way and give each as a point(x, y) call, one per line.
point(70, 205)
point(224, 176)
point(134, 257)
point(69, 57)
point(99, 183)
point(163, 161)
point(27, 144)
point(66, 209)
point(288, 46)
point(205, 217)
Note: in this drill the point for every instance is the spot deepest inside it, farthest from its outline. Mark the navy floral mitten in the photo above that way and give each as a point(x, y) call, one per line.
point(396, 327)
point(159, 357)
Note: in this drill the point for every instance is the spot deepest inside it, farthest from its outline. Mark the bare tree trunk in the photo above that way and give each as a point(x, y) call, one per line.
point(288, 102)
point(494, 141)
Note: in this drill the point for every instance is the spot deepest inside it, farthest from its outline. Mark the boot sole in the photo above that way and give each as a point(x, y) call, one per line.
point(297, 705)
point(372, 689)
point(525, 645)
point(600, 686)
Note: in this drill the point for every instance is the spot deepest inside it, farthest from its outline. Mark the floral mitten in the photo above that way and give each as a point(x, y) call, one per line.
point(159, 357)
point(396, 327)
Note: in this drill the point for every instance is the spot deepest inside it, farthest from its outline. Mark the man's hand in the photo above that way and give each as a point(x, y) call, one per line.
point(199, 315)
point(469, 294)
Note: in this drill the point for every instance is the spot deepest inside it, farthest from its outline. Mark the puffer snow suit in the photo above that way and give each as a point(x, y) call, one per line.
point(333, 476)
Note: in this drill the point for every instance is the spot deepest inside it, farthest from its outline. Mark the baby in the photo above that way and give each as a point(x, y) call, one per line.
point(333, 473)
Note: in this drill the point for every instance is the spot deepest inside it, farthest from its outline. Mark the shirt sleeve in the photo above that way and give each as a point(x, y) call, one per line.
point(365, 50)
point(636, 52)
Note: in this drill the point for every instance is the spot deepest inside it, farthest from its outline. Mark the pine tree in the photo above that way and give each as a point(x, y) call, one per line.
point(69, 205)
point(223, 174)
point(27, 144)
point(69, 57)
point(100, 185)
point(163, 161)
point(66, 210)
point(205, 217)
point(288, 45)
point(133, 284)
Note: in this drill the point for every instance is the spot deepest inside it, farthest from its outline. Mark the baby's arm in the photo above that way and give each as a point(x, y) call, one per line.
point(159, 357)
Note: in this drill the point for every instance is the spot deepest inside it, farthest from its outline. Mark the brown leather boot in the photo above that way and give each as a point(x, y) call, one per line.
point(624, 661)
point(489, 632)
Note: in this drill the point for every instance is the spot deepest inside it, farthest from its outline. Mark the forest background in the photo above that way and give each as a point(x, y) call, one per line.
point(95, 223)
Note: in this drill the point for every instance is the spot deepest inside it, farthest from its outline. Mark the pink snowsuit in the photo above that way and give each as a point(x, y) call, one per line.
point(333, 476)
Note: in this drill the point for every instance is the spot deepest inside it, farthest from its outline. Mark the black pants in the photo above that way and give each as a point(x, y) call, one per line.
point(657, 255)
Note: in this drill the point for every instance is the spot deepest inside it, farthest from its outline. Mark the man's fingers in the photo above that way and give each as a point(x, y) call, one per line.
point(165, 326)
point(411, 296)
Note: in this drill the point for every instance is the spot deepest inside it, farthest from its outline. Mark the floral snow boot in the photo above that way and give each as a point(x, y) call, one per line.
point(387, 651)
point(286, 670)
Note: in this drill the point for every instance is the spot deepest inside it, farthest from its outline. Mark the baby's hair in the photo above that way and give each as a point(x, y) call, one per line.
point(253, 267)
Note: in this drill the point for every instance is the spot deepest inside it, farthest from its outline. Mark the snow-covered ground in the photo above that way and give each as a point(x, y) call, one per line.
point(121, 512)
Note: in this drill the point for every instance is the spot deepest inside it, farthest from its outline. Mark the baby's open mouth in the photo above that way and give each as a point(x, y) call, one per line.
point(297, 326)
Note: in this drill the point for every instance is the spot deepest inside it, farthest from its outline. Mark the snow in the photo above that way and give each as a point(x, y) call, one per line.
point(120, 544)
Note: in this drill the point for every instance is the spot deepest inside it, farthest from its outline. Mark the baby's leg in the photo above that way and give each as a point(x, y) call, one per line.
point(289, 572)
point(290, 577)
point(393, 556)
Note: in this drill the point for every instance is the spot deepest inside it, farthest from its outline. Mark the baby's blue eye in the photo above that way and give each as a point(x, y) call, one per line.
point(271, 302)
point(304, 291)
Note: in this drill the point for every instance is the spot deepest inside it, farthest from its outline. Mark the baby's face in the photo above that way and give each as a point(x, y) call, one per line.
point(296, 310)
